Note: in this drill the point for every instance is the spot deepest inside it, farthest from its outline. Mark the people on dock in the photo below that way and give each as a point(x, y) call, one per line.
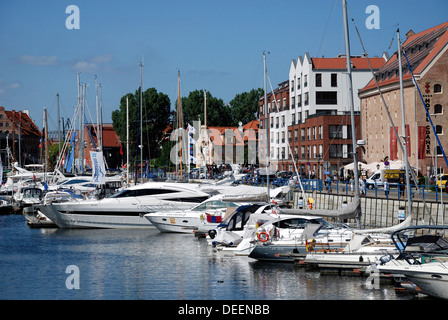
point(402, 187)
point(361, 186)
point(386, 188)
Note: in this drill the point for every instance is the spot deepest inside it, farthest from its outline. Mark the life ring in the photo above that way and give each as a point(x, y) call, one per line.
point(263, 236)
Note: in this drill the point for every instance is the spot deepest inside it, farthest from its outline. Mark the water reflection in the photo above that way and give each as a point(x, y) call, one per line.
point(147, 264)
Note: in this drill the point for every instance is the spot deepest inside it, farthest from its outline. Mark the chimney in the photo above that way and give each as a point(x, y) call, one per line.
point(409, 34)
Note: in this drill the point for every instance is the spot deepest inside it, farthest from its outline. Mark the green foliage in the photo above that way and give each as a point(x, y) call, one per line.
point(218, 114)
point(245, 106)
point(156, 116)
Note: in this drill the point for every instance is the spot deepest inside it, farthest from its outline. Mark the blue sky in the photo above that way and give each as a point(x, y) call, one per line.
point(217, 45)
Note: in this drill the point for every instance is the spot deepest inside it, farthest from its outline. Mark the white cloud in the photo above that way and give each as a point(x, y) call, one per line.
point(6, 87)
point(38, 61)
point(84, 66)
point(94, 64)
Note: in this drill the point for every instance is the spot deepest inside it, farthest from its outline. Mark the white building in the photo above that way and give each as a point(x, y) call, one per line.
point(320, 85)
point(317, 87)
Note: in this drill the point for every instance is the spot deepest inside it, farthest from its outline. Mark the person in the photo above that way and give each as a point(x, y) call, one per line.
point(329, 184)
point(386, 188)
point(402, 187)
point(361, 186)
point(352, 184)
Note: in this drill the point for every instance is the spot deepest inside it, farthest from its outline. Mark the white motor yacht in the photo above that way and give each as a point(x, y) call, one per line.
point(125, 209)
point(423, 258)
point(199, 220)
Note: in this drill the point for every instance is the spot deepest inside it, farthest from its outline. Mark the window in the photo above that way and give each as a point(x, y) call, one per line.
point(336, 150)
point(334, 80)
point(439, 129)
point(326, 97)
point(437, 88)
point(306, 99)
point(335, 132)
point(438, 109)
point(305, 82)
point(318, 79)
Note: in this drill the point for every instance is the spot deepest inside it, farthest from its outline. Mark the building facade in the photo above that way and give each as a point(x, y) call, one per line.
point(19, 138)
point(428, 56)
point(310, 124)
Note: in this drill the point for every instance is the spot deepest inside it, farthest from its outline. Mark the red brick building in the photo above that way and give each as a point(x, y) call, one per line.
point(427, 52)
point(19, 124)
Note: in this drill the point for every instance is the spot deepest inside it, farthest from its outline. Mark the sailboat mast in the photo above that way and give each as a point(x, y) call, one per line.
point(351, 103)
point(141, 120)
point(266, 120)
point(97, 115)
point(127, 140)
point(179, 119)
point(403, 122)
point(59, 124)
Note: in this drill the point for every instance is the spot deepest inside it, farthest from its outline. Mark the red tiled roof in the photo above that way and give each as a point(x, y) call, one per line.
point(27, 126)
point(341, 63)
point(110, 138)
point(420, 48)
point(254, 125)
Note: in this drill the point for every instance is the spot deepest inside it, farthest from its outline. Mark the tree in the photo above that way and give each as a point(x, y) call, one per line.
point(156, 111)
point(245, 106)
point(218, 114)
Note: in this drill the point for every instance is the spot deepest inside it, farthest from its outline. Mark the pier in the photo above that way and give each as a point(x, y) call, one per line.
point(377, 211)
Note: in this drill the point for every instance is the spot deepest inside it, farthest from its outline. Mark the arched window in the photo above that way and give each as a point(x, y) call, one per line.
point(438, 109)
point(439, 129)
point(437, 88)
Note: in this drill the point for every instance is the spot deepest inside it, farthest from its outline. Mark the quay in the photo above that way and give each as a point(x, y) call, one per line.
point(377, 211)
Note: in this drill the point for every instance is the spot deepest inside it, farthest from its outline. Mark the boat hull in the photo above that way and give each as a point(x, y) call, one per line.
point(106, 213)
point(180, 222)
point(100, 218)
point(431, 278)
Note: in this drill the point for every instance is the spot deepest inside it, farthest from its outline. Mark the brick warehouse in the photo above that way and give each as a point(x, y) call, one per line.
point(428, 56)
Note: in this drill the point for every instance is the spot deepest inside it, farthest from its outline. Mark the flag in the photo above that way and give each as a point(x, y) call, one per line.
point(190, 129)
point(68, 165)
point(98, 168)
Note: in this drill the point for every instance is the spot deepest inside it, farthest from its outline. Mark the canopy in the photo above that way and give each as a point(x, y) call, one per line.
point(352, 210)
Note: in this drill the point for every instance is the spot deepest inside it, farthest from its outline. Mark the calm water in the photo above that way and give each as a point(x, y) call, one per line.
point(147, 264)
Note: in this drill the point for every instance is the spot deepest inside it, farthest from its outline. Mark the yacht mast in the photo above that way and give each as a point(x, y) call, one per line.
point(127, 140)
point(351, 104)
point(267, 128)
point(179, 119)
point(405, 147)
point(141, 120)
point(59, 125)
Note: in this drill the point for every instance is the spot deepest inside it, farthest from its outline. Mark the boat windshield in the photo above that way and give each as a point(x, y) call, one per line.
point(141, 192)
point(214, 204)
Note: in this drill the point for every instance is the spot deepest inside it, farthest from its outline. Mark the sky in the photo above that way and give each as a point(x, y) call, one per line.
point(216, 45)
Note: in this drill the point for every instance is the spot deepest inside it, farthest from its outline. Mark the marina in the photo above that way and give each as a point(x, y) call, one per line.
point(125, 264)
point(280, 195)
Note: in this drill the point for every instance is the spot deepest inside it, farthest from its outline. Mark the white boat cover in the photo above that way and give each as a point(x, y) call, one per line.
point(352, 210)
